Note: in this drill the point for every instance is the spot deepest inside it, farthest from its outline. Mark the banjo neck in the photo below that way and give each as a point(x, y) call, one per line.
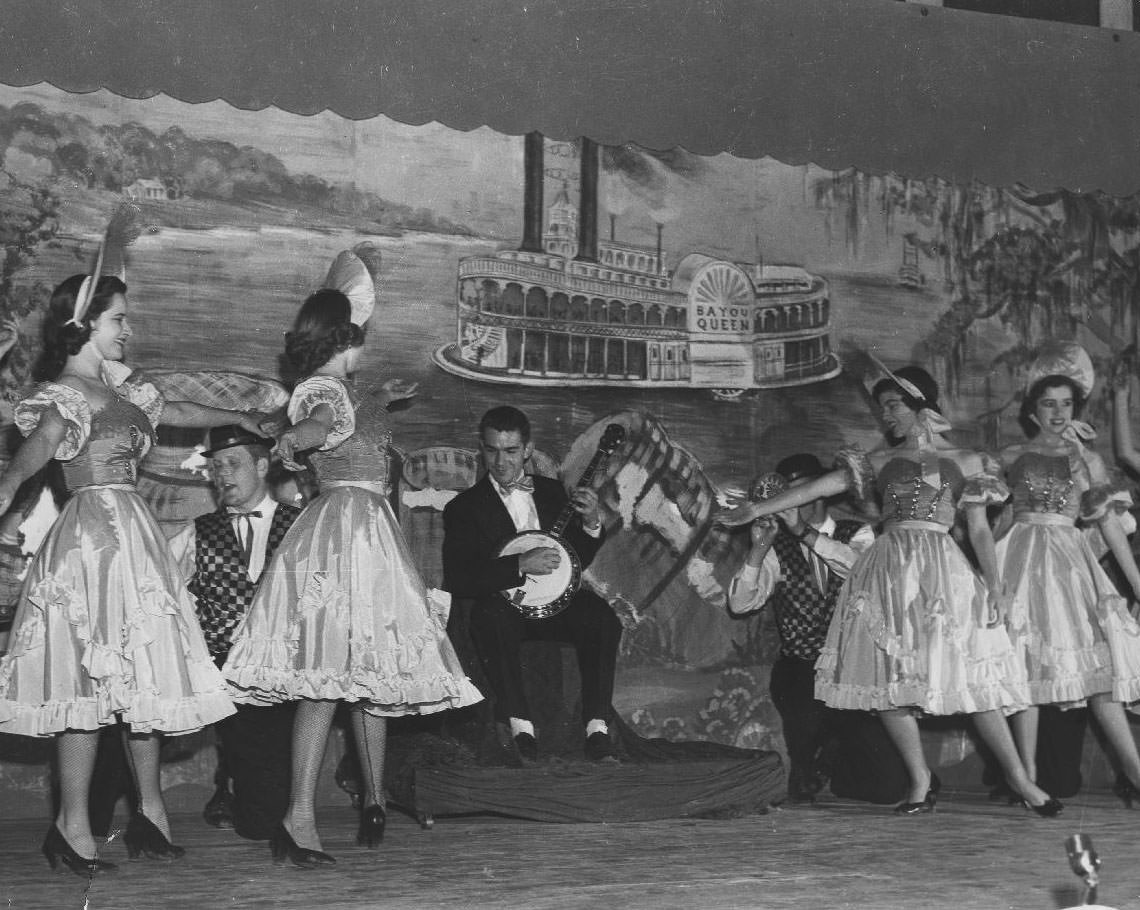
point(567, 513)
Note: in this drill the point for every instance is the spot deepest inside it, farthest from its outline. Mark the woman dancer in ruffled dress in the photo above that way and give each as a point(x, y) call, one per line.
point(915, 629)
point(1080, 643)
point(342, 614)
point(104, 630)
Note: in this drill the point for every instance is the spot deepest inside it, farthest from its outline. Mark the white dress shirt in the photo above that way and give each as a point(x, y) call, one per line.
point(267, 507)
point(753, 585)
point(524, 513)
point(520, 504)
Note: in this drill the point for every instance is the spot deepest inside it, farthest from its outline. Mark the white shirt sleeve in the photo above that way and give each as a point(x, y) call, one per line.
point(840, 557)
point(751, 587)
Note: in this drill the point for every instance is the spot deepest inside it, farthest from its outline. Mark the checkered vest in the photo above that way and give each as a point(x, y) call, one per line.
point(802, 611)
point(221, 584)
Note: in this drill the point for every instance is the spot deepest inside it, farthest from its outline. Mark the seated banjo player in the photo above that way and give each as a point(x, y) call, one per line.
point(477, 522)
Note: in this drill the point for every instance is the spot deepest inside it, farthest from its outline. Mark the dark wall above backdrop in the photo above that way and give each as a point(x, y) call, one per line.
point(874, 84)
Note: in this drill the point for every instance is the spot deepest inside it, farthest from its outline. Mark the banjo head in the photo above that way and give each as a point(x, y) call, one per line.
point(541, 596)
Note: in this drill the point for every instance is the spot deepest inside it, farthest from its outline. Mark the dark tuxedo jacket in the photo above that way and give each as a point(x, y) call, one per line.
point(476, 524)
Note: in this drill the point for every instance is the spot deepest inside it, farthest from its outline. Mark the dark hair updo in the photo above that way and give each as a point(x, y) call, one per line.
point(323, 329)
point(920, 379)
point(1028, 411)
point(62, 337)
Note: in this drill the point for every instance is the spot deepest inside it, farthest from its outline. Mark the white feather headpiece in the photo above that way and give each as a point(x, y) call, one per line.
point(349, 275)
point(123, 229)
point(885, 372)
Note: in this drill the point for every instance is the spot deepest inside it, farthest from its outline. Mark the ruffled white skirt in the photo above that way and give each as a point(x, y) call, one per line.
point(105, 629)
point(909, 630)
point(1069, 623)
point(342, 614)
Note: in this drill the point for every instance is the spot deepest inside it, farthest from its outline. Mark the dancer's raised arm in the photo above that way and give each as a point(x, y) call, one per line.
point(828, 485)
point(1122, 444)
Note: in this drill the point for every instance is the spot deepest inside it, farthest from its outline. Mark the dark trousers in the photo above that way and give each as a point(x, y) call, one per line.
point(589, 624)
point(849, 747)
point(257, 744)
point(808, 723)
point(1060, 745)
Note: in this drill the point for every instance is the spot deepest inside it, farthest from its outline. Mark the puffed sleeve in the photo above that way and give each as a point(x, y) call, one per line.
point(1107, 492)
point(986, 488)
point(136, 388)
point(853, 462)
point(71, 406)
point(318, 390)
point(1104, 498)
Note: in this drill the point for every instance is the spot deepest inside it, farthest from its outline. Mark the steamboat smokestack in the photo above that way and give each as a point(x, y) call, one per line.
point(588, 210)
point(660, 262)
point(532, 192)
point(613, 227)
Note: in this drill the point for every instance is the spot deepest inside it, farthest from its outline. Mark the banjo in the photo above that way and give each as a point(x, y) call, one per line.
point(541, 596)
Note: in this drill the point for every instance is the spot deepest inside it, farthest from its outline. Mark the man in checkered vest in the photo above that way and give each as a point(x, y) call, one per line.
point(224, 555)
point(797, 563)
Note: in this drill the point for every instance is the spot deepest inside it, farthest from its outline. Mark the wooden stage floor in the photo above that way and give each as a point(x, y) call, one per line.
point(970, 854)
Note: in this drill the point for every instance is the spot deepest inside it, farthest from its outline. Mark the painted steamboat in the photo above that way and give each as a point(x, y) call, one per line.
point(568, 309)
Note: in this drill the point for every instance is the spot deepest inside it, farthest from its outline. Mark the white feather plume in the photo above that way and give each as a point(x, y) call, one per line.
point(349, 275)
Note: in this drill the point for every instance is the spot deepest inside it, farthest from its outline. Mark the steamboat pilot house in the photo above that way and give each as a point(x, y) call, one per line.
point(568, 309)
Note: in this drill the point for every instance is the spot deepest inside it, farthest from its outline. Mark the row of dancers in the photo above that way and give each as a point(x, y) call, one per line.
point(1029, 618)
point(105, 630)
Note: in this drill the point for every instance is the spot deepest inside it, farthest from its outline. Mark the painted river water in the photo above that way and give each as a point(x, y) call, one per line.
point(222, 298)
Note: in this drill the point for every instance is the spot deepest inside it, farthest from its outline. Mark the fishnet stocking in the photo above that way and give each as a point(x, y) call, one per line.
point(310, 736)
point(142, 751)
point(76, 751)
point(371, 734)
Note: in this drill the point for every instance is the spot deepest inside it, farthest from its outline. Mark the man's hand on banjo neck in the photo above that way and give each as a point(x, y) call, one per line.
point(585, 503)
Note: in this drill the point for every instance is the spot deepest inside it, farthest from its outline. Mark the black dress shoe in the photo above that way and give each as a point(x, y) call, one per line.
point(527, 748)
point(57, 850)
point(599, 747)
point(1051, 808)
point(143, 837)
point(1126, 790)
point(927, 805)
point(284, 847)
point(372, 822)
point(219, 811)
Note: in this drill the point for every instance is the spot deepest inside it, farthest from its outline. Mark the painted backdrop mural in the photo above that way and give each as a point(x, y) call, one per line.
point(722, 311)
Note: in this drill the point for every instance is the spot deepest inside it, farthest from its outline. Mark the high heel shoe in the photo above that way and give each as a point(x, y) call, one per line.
point(1051, 808)
point(927, 804)
point(284, 847)
point(57, 850)
point(371, 831)
point(143, 837)
point(1126, 790)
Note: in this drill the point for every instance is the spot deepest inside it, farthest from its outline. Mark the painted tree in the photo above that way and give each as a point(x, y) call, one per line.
point(29, 219)
point(1041, 264)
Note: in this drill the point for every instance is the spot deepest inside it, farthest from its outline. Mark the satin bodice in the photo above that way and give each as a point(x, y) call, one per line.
point(926, 491)
point(120, 436)
point(363, 456)
point(1048, 484)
